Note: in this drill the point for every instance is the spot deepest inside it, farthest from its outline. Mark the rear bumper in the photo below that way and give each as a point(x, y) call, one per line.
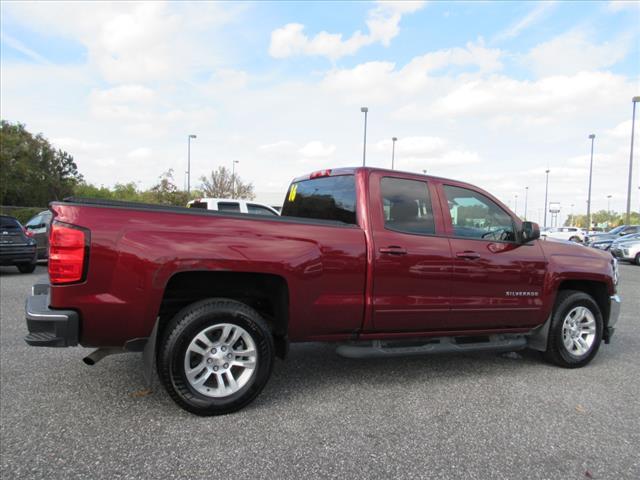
point(614, 313)
point(16, 255)
point(48, 327)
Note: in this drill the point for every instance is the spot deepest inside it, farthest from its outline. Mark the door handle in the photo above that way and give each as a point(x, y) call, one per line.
point(468, 254)
point(393, 250)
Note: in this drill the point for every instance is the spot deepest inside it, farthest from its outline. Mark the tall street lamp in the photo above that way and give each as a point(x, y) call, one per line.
point(592, 137)
point(515, 208)
point(189, 162)
point(364, 110)
point(393, 151)
point(233, 178)
point(633, 125)
point(609, 204)
point(546, 191)
point(526, 200)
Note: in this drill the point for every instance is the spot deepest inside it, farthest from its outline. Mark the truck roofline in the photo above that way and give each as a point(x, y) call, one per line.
point(334, 172)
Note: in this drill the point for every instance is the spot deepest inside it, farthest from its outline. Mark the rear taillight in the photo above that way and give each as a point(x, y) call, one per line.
point(68, 248)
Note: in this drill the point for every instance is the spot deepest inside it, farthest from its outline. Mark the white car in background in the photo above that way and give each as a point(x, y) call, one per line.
point(233, 206)
point(573, 234)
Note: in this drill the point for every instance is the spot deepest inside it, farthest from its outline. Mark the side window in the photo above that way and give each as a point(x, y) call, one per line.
point(475, 216)
point(258, 210)
point(37, 220)
point(323, 198)
point(406, 206)
point(229, 207)
point(197, 204)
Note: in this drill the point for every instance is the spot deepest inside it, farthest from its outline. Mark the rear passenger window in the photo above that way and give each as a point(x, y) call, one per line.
point(324, 198)
point(407, 206)
point(228, 207)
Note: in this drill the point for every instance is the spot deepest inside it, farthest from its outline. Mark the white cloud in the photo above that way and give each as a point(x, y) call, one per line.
point(534, 16)
point(76, 144)
point(22, 48)
point(317, 149)
point(132, 42)
point(382, 82)
point(383, 23)
point(424, 153)
point(572, 52)
point(139, 153)
point(282, 146)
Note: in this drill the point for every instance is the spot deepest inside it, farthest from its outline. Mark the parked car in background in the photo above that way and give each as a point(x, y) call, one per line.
point(573, 234)
point(627, 248)
point(232, 206)
point(16, 246)
point(617, 232)
point(38, 228)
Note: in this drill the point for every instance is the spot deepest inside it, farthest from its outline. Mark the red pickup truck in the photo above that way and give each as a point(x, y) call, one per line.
point(382, 262)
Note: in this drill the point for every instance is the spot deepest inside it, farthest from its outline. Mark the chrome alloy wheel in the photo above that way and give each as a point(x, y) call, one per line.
point(220, 360)
point(579, 331)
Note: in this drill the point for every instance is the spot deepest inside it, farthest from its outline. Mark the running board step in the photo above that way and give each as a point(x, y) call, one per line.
point(400, 348)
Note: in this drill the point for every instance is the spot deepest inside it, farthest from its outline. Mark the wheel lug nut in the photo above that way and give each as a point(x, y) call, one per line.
point(223, 348)
point(228, 355)
point(209, 360)
point(213, 350)
point(215, 369)
point(226, 365)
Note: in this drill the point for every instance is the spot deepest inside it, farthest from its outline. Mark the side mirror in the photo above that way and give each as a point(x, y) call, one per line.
point(530, 231)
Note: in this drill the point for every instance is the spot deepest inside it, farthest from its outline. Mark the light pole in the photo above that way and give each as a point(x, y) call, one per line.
point(592, 137)
point(424, 172)
point(609, 204)
point(546, 191)
point(364, 110)
point(233, 178)
point(189, 162)
point(526, 200)
point(393, 151)
point(573, 220)
point(633, 125)
point(515, 208)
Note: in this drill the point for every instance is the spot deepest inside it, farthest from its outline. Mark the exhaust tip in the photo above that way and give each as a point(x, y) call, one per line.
point(89, 361)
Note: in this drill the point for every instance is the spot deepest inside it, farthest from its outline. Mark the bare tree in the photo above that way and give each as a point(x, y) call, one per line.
point(221, 184)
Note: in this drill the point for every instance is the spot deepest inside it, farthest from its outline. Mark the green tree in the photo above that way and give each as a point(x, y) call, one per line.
point(166, 191)
point(223, 184)
point(32, 172)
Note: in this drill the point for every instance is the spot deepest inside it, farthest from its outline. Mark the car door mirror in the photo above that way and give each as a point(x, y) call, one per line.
point(530, 231)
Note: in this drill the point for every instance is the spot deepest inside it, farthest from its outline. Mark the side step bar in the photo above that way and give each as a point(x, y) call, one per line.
point(386, 349)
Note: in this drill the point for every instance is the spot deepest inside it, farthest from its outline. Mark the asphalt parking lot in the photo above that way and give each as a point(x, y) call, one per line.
point(474, 416)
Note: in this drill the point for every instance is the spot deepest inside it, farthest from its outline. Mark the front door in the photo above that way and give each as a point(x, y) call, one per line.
point(497, 282)
point(412, 263)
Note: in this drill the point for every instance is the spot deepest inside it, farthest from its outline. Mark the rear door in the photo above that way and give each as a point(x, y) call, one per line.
point(497, 282)
point(412, 260)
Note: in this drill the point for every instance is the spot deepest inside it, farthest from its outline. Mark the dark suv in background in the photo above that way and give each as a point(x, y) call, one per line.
point(16, 247)
point(38, 229)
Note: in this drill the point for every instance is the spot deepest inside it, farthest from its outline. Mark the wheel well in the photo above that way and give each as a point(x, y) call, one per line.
point(265, 293)
point(597, 290)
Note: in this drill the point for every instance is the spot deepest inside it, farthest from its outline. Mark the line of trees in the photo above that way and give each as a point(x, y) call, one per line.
point(33, 173)
point(603, 217)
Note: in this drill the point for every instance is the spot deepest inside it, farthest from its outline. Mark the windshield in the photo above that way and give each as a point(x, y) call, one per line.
point(617, 229)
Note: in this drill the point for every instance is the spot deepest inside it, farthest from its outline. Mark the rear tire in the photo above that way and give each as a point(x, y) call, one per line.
point(26, 267)
point(213, 334)
point(637, 260)
point(575, 239)
point(576, 330)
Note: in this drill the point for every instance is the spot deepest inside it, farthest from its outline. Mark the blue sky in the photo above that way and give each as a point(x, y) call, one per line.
point(489, 92)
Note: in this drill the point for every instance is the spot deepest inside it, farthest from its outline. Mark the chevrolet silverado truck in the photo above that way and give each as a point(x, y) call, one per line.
point(380, 262)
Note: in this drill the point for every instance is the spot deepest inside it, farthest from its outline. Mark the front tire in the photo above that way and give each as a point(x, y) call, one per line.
point(575, 239)
point(216, 356)
point(637, 260)
point(576, 330)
